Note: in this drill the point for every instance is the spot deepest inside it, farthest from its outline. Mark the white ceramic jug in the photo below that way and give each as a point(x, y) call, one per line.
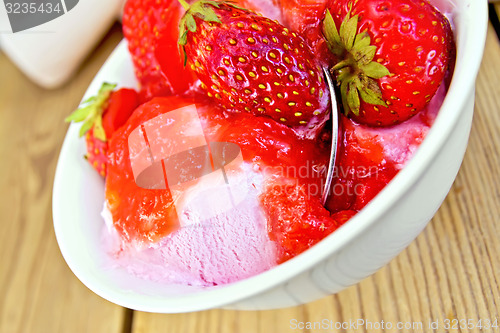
point(51, 52)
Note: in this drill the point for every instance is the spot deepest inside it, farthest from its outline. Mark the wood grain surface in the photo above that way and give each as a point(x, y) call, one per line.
point(38, 291)
point(452, 270)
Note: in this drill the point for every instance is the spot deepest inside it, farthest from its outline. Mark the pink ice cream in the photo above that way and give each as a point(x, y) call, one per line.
point(231, 246)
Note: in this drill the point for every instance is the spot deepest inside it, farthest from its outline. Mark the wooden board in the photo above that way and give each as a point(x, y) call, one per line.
point(38, 291)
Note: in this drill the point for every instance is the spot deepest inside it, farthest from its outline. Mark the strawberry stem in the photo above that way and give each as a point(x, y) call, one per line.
point(341, 64)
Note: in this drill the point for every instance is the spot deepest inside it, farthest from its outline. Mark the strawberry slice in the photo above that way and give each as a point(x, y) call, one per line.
point(139, 215)
point(151, 28)
point(102, 115)
point(120, 105)
point(296, 220)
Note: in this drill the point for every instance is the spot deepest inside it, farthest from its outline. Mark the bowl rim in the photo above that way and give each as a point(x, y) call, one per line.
point(462, 81)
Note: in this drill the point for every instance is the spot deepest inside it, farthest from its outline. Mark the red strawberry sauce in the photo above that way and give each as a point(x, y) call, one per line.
point(294, 168)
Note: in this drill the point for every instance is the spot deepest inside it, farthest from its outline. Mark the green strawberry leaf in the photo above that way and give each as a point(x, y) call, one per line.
point(190, 23)
point(332, 35)
point(184, 4)
point(364, 55)
point(348, 30)
point(105, 88)
point(375, 70)
point(215, 3)
point(204, 10)
point(210, 16)
point(86, 126)
point(353, 97)
point(234, 5)
point(343, 94)
point(79, 115)
point(370, 93)
point(88, 100)
point(362, 40)
point(99, 132)
point(91, 110)
point(183, 36)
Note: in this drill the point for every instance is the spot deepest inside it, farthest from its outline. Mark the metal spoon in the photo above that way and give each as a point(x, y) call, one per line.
point(335, 131)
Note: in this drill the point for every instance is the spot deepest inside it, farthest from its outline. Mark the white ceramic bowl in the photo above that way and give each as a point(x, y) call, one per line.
point(359, 248)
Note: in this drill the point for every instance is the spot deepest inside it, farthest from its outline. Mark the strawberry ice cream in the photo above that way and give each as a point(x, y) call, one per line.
point(229, 247)
point(212, 178)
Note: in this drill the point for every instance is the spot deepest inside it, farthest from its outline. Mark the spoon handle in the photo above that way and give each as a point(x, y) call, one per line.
point(335, 130)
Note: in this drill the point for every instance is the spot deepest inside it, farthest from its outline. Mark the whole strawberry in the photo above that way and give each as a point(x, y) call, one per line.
point(393, 56)
point(102, 115)
point(249, 63)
